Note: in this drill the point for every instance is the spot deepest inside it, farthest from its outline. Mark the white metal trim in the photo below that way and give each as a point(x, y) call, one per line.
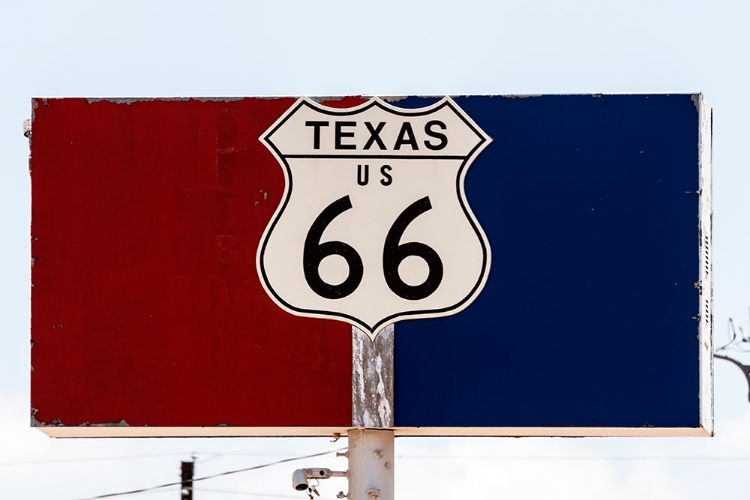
point(168, 432)
point(706, 314)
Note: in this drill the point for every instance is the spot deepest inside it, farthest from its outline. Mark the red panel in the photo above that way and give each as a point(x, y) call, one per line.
point(146, 305)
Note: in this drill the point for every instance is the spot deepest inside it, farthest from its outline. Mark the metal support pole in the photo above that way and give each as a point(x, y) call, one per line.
point(371, 456)
point(371, 464)
point(372, 379)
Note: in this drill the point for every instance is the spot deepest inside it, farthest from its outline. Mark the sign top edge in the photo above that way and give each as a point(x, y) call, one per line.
point(317, 98)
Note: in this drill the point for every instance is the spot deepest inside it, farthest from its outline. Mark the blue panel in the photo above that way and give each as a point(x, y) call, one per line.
point(591, 209)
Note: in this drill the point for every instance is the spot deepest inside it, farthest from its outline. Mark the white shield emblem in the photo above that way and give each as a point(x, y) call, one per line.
point(374, 226)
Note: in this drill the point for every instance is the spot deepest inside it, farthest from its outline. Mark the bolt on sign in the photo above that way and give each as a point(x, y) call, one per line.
point(211, 267)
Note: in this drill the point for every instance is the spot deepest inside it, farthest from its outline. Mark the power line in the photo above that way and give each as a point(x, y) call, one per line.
point(221, 474)
point(89, 459)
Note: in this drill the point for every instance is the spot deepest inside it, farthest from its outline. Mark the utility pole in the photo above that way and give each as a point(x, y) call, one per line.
point(186, 491)
point(371, 440)
point(371, 443)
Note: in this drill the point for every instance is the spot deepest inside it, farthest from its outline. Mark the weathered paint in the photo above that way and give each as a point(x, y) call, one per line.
point(143, 313)
point(372, 378)
point(146, 306)
point(706, 284)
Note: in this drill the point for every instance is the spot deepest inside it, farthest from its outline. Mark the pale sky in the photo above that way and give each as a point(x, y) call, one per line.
point(223, 48)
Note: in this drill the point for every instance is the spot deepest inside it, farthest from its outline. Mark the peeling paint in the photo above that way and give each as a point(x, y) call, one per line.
point(121, 423)
point(358, 385)
point(706, 276)
point(34, 421)
point(34, 106)
point(58, 423)
point(131, 100)
point(384, 405)
point(372, 378)
point(697, 99)
point(521, 96)
point(328, 98)
point(219, 99)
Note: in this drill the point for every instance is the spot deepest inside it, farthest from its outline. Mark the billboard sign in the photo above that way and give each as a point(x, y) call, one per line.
point(206, 266)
